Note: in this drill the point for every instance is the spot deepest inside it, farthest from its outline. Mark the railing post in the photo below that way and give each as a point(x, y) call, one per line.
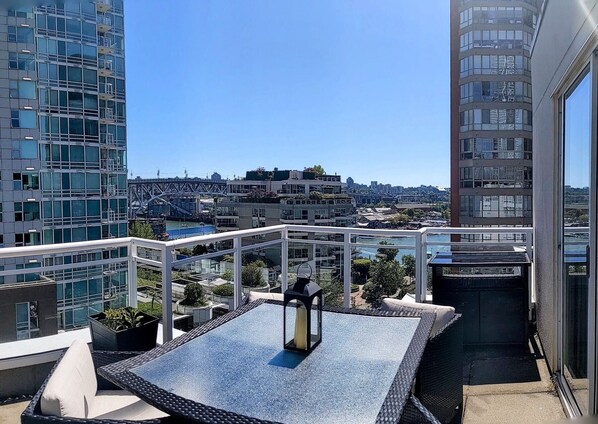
point(421, 263)
point(166, 294)
point(238, 270)
point(529, 244)
point(132, 274)
point(424, 265)
point(284, 262)
point(347, 270)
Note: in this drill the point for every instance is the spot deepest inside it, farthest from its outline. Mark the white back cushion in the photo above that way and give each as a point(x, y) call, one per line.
point(270, 296)
point(73, 385)
point(444, 314)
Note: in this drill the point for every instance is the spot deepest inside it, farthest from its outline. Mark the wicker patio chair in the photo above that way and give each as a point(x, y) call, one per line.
point(33, 413)
point(439, 381)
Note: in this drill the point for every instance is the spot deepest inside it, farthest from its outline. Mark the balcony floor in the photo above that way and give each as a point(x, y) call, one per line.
point(508, 385)
point(11, 413)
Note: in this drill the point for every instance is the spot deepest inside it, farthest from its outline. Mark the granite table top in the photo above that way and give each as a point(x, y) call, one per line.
point(240, 367)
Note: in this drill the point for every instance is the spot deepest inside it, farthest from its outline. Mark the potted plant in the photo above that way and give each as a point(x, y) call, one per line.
point(224, 293)
point(123, 329)
point(252, 278)
point(195, 304)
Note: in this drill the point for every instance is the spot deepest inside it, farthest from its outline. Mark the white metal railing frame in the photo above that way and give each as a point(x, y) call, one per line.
point(164, 260)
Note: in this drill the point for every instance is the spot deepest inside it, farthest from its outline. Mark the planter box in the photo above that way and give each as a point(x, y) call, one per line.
point(263, 289)
point(200, 314)
point(140, 338)
point(227, 300)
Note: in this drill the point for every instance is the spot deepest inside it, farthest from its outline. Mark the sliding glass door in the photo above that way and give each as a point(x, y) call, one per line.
point(576, 256)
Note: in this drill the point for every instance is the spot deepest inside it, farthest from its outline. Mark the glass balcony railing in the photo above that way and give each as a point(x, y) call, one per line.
point(88, 277)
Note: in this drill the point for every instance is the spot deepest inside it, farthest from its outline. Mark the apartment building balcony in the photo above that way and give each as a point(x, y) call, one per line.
point(106, 91)
point(104, 24)
point(107, 115)
point(500, 383)
point(103, 6)
point(105, 46)
point(105, 67)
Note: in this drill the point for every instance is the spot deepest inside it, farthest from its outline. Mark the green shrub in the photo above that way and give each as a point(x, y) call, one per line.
point(224, 290)
point(122, 318)
point(251, 276)
point(194, 295)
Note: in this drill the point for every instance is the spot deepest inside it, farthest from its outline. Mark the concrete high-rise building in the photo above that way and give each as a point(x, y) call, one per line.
point(491, 112)
point(62, 150)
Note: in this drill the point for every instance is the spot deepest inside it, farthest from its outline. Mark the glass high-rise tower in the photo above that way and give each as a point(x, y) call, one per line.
point(491, 112)
point(63, 147)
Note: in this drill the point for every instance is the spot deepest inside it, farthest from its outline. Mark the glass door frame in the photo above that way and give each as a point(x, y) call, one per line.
point(587, 64)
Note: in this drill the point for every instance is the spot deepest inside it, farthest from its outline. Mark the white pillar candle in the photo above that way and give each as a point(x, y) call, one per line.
point(301, 327)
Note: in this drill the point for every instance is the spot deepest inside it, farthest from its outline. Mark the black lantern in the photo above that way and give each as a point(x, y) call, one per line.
point(302, 326)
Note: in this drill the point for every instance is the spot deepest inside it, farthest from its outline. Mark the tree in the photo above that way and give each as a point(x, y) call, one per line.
point(386, 254)
point(362, 267)
point(199, 249)
point(332, 291)
point(142, 230)
point(227, 275)
point(194, 295)
point(251, 276)
point(317, 169)
point(399, 219)
point(408, 262)
point(387, 277)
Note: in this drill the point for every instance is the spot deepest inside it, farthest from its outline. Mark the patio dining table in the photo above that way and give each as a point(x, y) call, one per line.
point(234, 369)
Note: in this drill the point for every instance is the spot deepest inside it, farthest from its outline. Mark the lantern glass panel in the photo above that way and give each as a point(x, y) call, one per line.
point(296, 324)
point(316, 323)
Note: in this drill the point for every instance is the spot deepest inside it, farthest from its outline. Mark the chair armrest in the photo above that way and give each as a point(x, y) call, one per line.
point(102, 358)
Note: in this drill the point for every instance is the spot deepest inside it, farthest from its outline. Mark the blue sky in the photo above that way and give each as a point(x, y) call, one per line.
point(360, 87)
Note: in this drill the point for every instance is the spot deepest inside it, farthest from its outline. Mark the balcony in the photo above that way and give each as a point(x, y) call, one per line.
point(104, 24)
point(107, 115)
point(107, 138)
point(105, 67)
point(105, 45)
point(498, 381)
point(103, 6)
point(106, 91)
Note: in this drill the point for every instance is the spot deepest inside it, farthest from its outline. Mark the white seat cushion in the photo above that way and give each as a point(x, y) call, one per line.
point(122, 405)
point(73, 385)
point(258, 295)
point(443, 314)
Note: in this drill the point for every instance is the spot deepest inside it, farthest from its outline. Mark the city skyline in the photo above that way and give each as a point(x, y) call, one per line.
point(290, 85)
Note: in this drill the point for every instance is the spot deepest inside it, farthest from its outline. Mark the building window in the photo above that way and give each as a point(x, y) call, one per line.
point(27, 320)
point(27, 239)
point(26, 211)
point(496, 148)
point(496, 91)
point(22, 61)
point(25, 181)
point(496, 206)
point(24, 149)
point(23, 118)
point(20, 34)
point(496, 119)
point(22, 89)
point(21, 12)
